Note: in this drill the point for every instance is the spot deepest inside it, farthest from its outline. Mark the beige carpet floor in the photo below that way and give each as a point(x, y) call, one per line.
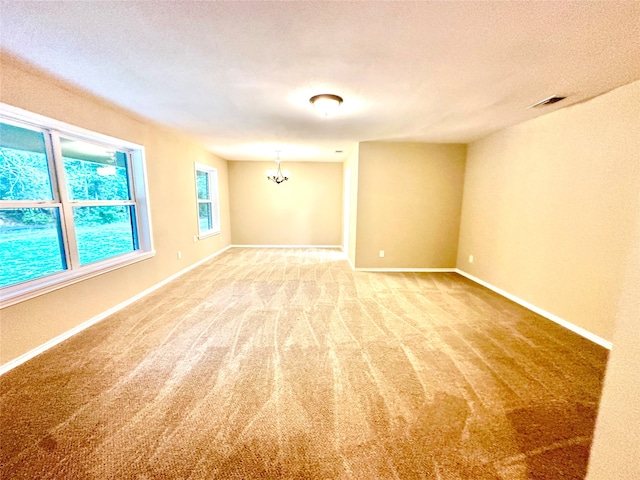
point(284, 363)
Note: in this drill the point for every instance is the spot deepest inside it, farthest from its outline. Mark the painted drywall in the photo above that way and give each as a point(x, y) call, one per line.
point(350, 209)
point(170, 167)
point(549, 207)
point(615, 452)
point(305, 210)
point(409, 201)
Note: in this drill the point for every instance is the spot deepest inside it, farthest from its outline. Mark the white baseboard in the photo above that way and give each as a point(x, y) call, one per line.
point(349, 261)
point(550, 316)
point(287, 246)
point(400, 270)
point(92, 321)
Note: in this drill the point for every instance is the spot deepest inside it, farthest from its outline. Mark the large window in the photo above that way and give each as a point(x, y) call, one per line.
point(207, 195)
point(72, 204)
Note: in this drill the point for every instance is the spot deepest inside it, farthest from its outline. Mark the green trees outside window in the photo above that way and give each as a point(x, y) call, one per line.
point(64, 203)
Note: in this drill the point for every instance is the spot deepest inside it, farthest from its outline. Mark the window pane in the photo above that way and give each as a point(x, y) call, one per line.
point(30, 244)
point(93, 172)
point(203, 185)
point(24, 173)
point(104, 232)
point(204, 216)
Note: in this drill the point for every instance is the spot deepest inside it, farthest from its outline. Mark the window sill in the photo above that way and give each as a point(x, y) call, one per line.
point(19, 293)
point(209, 233)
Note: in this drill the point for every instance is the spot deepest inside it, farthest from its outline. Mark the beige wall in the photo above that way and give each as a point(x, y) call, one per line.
point(350, 201)
point(305, 210)
point(170, 167)
point(549, 207)
point(615, 454)
point(409, 200)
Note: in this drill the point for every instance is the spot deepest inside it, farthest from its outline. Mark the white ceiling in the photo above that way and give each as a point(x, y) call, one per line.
point(238, 75)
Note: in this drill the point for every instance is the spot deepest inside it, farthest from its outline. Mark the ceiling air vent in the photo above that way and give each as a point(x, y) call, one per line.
point(547, 101)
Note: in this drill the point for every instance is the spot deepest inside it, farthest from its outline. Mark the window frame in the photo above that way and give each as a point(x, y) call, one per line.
point(213, 200)
point(53, 130)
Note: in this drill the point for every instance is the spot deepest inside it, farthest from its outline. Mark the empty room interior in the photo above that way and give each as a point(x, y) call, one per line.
point(352, 240)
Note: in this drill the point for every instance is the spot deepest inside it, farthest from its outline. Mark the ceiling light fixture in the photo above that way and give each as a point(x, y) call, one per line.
point(277, 175)
point(326, 103)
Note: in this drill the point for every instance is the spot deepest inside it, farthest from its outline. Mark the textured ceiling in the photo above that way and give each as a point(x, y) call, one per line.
point(238, 75)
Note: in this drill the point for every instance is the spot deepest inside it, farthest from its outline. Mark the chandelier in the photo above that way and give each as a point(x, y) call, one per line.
point(277, 175)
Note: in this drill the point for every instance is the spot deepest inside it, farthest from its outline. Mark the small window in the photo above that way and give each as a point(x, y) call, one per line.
point(207, 198)
point(72, 204)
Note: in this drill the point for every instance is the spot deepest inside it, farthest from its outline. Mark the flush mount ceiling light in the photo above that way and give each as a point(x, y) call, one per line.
point(277, 175)
point(326, 103)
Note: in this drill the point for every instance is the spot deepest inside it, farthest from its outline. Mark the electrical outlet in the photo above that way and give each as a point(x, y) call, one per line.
point(381, 253)
point(470, 258)
point(179, 254)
